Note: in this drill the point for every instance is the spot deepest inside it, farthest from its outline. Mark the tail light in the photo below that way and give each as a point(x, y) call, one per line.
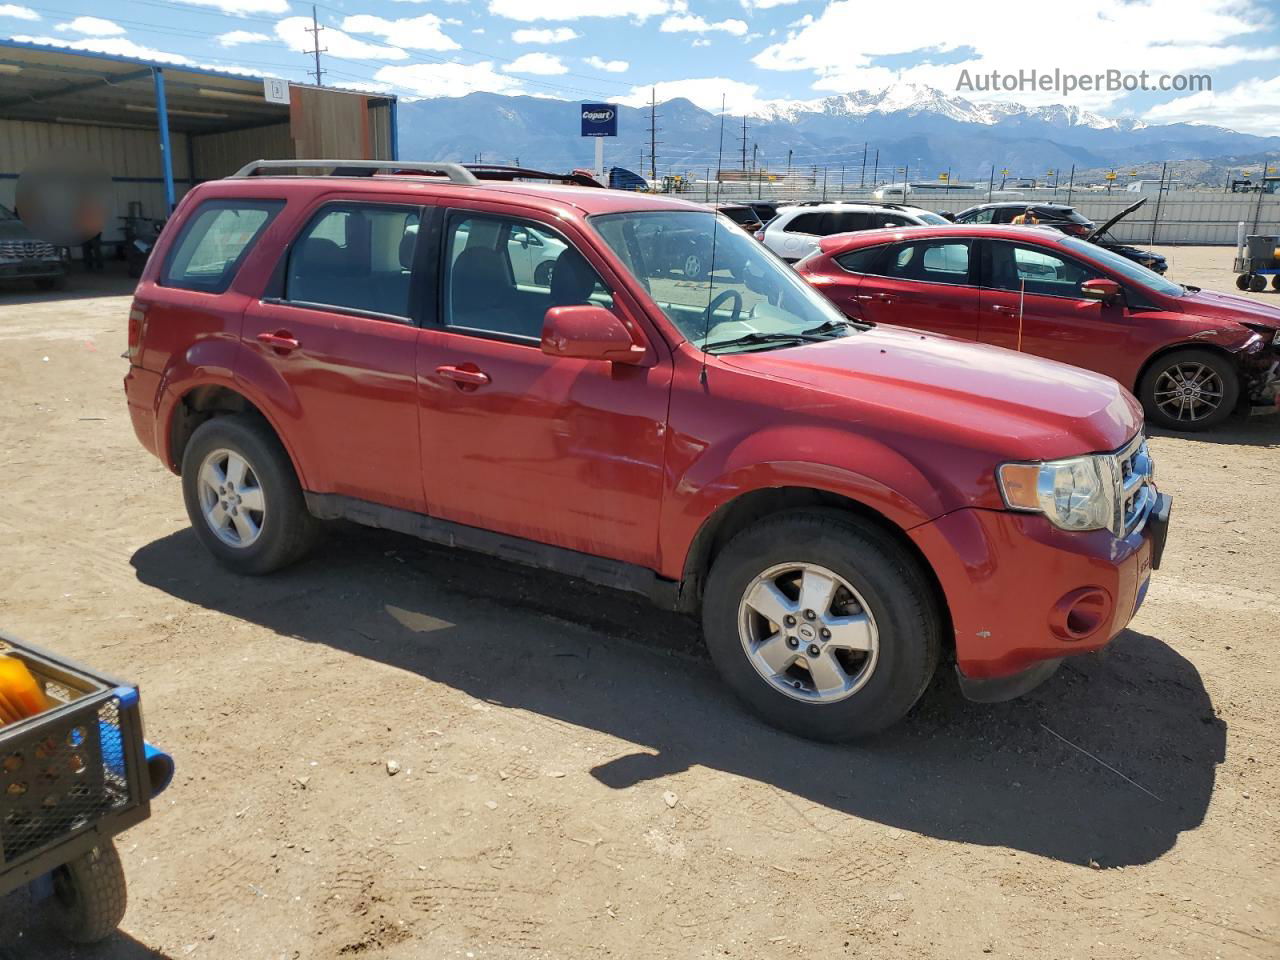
point(137, 329)
point(1079, 229)
point(759, 234)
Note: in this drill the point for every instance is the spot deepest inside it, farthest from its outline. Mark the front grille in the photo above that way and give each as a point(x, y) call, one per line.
point(27, 250)
point(1137, 493)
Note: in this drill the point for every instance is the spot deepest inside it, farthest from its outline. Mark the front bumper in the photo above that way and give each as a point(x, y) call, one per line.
point(31, 269)
point(1023, 593)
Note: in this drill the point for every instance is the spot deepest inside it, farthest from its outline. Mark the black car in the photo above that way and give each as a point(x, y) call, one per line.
point(744, 215)
point(1069, 221)
point(23, 257)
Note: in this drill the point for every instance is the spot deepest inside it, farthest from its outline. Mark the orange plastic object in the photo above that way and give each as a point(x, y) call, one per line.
point(20, 693)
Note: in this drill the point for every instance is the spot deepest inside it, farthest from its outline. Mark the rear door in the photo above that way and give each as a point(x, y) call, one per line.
point(334, 346)
point(1031, 301)
point(795, 238)
point(929, 284)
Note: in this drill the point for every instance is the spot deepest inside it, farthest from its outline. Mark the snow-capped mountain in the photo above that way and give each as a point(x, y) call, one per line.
point(902, 126)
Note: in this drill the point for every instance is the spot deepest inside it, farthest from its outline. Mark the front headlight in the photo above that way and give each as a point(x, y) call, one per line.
point(1075, 494)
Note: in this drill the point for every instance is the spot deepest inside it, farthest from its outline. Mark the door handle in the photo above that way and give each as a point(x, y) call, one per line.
point(463, 376)
point(282, 341)
point(881, 297)
point(1000, 308)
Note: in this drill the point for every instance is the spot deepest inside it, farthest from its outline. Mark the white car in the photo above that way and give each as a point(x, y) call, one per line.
point(794, 233)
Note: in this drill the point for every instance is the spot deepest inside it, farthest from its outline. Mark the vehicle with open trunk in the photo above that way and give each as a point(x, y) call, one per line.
point(844, 506)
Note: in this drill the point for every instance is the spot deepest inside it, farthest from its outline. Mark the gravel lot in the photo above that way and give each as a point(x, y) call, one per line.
point(574, 780)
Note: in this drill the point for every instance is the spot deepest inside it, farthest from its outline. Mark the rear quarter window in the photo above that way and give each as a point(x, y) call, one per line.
point(863, 260)
point(214, 242)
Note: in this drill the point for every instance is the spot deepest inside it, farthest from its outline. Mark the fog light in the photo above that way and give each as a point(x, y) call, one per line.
point(1080, 614)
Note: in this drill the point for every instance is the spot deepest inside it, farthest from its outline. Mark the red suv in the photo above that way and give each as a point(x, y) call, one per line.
point(843, 505)
point(1191, 356)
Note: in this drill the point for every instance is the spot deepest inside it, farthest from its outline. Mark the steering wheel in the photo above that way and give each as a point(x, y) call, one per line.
point(733, 295)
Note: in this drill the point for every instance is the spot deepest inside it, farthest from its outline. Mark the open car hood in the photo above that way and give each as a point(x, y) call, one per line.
point(1099, 231)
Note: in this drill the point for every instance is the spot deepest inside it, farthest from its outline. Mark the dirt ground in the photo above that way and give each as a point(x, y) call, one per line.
point(574, 780)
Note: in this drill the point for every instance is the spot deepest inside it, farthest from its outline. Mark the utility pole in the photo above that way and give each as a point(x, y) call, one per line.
point(653, 134)
point(744, 143)
point(875, 174)
point(863, 184)
point(789, 152)
point(314, 30)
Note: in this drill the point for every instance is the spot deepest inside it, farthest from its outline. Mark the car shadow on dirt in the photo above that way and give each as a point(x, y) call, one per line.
point(1005, 775)
point(1239, 431)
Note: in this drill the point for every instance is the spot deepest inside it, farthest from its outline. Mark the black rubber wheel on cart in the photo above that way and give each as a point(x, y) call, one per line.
point(1257, 283)
point(1242, 281)
point(89, 895)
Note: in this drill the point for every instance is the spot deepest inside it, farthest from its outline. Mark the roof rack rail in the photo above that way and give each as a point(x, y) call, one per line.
point(359, 168)
point(494, 171)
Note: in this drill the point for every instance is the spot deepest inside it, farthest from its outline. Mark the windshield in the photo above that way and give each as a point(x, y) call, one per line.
point(714, 282)
point(1133, 272)
point(932, 218)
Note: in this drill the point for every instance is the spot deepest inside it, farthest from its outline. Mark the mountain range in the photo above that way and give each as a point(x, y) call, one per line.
point(906, 125)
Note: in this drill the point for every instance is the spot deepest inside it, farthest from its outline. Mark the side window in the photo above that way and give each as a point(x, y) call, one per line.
point(355, 257)
point(889, 220)
point(1042, 272)
point(1005, 214)
point(861, 261)
point(931, 261)
point(214, 242)
point(504, 275)
point(806, 223)
point(843, 221)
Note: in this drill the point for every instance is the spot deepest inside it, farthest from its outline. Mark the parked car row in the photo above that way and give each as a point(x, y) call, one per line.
point(845, 503)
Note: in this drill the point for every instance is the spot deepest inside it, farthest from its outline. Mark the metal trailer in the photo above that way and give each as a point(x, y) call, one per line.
point(71, 778)
point(1256, 259)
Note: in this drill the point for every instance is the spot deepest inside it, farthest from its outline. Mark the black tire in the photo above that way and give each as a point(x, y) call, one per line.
point(542, 273)
point(896, 592)
point(90, 895)
point(1275, 283)
point(1242, 281)
point(1257, 283)
point(287, 529)
point(694, 265)
point(1158, 415)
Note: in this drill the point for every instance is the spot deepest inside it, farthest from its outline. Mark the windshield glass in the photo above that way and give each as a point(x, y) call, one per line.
point(714, 282)
point(1133, 272)
point(932, 218)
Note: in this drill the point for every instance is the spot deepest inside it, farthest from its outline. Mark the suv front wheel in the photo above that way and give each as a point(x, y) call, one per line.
point(243, 497)
point(824, 624)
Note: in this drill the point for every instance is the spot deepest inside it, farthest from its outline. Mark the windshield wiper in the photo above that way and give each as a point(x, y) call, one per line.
point(755, 337)
point(1189, 288)
point(831, 326)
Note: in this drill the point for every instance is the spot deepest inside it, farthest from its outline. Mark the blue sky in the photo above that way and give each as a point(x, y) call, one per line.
point(755, 52)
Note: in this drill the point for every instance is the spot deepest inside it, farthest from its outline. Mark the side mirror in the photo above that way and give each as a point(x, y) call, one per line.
point(1108, 291)
point(588, 332)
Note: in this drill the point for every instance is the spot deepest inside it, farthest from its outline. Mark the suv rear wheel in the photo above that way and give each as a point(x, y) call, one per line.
point(1189, 390)
point(243, 497)
point(822, 623)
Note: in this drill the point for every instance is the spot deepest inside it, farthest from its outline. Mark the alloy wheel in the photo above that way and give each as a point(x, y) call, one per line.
point(1189, 391)
point(231, 498)
point(808, 632)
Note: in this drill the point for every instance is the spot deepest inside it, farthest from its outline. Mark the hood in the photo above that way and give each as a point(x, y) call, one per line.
point(14, 230)
point(961, 394)
point(1099, 231)
point(1228, 306)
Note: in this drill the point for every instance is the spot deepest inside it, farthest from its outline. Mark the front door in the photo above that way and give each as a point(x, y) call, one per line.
point(927, 284)
point(558, 450)
point(339, 342)
point(1031, 301)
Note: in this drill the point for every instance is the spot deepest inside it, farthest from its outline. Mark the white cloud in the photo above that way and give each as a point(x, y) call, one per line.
point(118, 46)
point(16, 12)
point(706, 92)
point(1159, 36)
point(237, 37)
point(417, 33)
point(92, 27)
point(556, 35)
point(689, 23)
point(542, 64)
point(294, 32)
point(527, 11)
point(608, 66)
point(766, 4)
point(448, 79)
point(700, 42)
point(1250, 107)
point(240, 7)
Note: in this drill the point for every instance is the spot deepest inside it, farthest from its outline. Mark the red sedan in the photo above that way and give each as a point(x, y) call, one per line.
point(1192, 357)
